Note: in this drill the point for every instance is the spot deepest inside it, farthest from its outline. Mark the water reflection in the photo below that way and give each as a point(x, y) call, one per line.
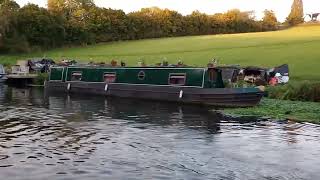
point(135, 111)
point(76, 137)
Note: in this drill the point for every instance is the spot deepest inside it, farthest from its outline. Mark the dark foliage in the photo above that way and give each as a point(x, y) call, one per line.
point(80, 22)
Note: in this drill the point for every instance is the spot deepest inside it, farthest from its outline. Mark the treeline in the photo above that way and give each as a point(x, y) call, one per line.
point(81, 22)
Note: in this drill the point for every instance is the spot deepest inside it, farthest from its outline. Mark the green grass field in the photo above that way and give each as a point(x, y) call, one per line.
point(299, 47)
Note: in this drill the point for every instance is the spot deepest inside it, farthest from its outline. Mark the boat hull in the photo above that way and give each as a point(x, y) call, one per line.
point(226, 97)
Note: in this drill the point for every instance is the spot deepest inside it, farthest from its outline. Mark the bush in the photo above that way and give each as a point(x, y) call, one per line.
point(41, 78)
point(296, 91)
point(238, 84)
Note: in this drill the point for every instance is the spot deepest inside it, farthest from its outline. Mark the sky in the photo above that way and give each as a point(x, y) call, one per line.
point(280, 7)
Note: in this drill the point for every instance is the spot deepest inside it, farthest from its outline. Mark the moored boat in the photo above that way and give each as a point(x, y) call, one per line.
point(178, 84)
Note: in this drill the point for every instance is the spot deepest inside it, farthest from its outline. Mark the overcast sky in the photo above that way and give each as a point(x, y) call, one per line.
point(281, 7)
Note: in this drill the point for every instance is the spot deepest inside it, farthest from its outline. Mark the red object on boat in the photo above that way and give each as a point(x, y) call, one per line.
point(273, 81)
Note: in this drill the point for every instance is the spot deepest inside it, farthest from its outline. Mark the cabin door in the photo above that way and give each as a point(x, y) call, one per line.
point(212, 75)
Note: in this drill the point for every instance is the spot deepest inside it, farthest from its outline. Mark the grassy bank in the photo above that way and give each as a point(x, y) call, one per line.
point(299, 47)
point(296, 91)
point(298, 101)
point(281, 109)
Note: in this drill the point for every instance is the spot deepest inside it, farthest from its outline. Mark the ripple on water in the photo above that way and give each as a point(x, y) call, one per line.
point(81, 137)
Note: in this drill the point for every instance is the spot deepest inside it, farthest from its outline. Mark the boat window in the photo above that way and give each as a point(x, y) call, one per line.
point(177, 79)
point(109, 77)
point(141, 75)
point(212, 74)
point(76, 76)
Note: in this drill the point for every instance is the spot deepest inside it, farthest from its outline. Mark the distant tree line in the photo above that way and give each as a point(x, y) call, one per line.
point(81, 22)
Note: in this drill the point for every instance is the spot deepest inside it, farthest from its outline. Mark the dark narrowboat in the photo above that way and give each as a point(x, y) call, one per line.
point(178, 84)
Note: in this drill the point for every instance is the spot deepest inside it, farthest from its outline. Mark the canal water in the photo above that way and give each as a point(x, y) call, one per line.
point(70, 137)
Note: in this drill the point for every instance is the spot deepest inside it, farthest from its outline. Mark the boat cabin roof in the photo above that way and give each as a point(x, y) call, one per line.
point(132, 67)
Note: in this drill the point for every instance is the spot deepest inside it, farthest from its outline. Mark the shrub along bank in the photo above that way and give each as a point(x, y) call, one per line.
point(281, 110)
point(42, 77)
point(296, 91)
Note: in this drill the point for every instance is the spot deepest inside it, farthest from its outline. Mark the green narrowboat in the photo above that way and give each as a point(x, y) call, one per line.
point(178, 84)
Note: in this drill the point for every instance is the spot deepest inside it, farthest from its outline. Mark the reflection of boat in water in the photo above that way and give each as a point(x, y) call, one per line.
point(176, 84)
point(3, 77)
point(156, 113)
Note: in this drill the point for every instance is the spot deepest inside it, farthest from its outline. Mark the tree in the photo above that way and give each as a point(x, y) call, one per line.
point(80, 22)
point(197, 23)
point(78, 14)
point(56, 5)
point(7, 9)
point(8, 33)
point(296, 15)
point(71, 5)
point(40, 28)
point(269, 21)
point(240, 22)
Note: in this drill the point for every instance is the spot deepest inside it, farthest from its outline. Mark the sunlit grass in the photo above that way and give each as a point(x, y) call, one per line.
point(299, 47)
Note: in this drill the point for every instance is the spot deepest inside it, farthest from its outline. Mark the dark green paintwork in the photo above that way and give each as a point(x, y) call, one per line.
point(56, 74)
point(154, 76)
